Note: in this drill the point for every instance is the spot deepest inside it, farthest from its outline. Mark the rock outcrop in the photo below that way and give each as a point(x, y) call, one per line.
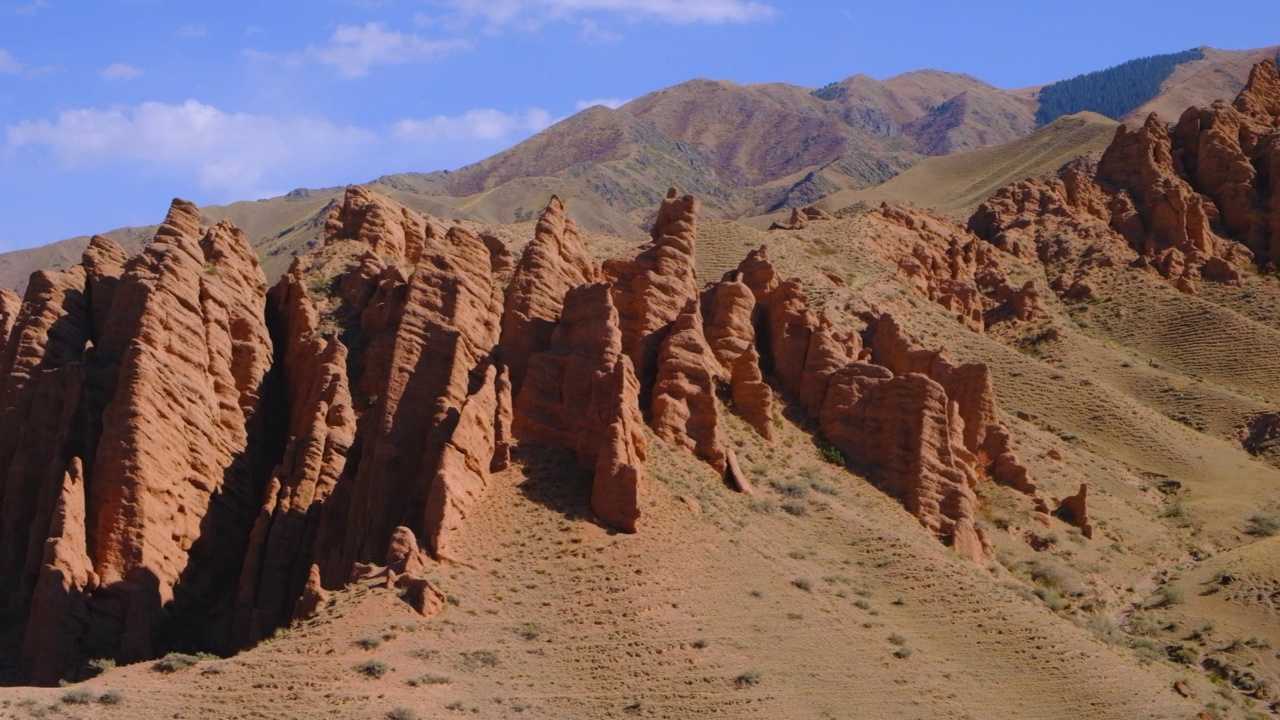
point(684, 410)
point(552, 263)
point(728, 310)
point(1073, 510)
point(652, 289)
point(1189, 204)
point(582, 394)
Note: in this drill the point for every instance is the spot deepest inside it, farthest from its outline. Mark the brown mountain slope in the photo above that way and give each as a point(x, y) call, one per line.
point(1219, 76)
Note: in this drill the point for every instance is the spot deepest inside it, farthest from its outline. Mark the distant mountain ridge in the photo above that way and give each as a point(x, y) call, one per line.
point(746, 150)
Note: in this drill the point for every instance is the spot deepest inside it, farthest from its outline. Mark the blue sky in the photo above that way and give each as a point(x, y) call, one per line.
point(109, 108)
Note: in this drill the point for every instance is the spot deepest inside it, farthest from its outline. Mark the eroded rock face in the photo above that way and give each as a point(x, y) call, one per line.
point(426, 334)
point(552, 263)
point(728, 308)
point(151, 370)
point(1157, 199)
point(582, 394)
point(685, 410)
point(651, 290)
point(387, 227)
point(1073, 510)
point(949, 266)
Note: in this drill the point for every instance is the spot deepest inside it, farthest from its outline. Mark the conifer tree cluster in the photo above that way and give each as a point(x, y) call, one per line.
point(1113, 92)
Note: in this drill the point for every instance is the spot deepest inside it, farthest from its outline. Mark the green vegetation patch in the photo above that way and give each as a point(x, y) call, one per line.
point(1113, 92)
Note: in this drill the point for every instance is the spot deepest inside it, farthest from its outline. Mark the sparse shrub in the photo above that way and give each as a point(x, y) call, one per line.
point(824, 488)
point(101, 665)
point(765, 506)
point(111, 697)
point(455, 705)
point(798, 509)
point(402, 713)
point(79, 696)
point(428, 680)
point(1169, 595)
point(902, 653)
point(479, 658)
point(1263, 525)
point(174, 662)
point(1182, 655)
point(802, 584)
point(747, 679)
point(833, 456)
point(862, 604)
point(701, 643)
point(896, 639)
point(789, 489)
point(1104, 628)
point(1051, 599)
point(1147, 650)
point(373, 668)
point(530, 630)
point(369, 643)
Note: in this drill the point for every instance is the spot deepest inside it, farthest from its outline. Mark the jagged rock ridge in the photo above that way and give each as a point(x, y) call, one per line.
point(192, 460)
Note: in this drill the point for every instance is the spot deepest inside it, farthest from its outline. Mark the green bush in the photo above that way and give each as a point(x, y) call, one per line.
point(833, 456)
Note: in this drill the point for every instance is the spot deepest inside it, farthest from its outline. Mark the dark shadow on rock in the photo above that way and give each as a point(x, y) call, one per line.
point(555, 480)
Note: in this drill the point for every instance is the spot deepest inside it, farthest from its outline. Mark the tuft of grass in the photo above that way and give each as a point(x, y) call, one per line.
point(747, 679)
point(790, 489)
point(111, 697)
point(174, 662)
point(802, 584)
point(373, 668)
point(1263, 525)
point(402, 713)
point(903, 653)
point(479, 658)
point(1169, 595)
point(428, 680)
point(369, 643)
point(701, 643)
point(79, 696)
point(530, 630)
point(824, 488)
point(798, 509)
point(764, 505)
point(896, 639)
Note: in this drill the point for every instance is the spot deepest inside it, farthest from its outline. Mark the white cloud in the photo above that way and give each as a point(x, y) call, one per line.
point(192, 31)
point(241, 155)
point(676, 12)
point(612, 103)
point(9, 64)
point(355, 49)
point(486, 124)
point(30, 8)
point(235, 153)
point(120, 71)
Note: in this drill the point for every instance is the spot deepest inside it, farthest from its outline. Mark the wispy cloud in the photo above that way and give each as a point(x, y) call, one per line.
point(242, 155)
point(120, 71)
point(9, 64)
point(484, 124)
point(354, 50)
point(30, 8)
point(675, 12)
point(236, 153)
point(192, 31)
point(612, 103)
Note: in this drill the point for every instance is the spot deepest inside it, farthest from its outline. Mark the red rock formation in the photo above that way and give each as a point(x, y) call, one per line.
point(313, 596)
point(685, 411)
point(898, 429)
point(784, 321)
point(463, 472)
point(10, 305)
point(651, 290)
point(387, 227)
point(426, 334)
point(798, 221)
point(1073, 510)
point(1167, 195)
point(947, 265)
point(60, 604)
point(582, 394)
point(552, 263)
point(321, 430)
point(728, 307)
